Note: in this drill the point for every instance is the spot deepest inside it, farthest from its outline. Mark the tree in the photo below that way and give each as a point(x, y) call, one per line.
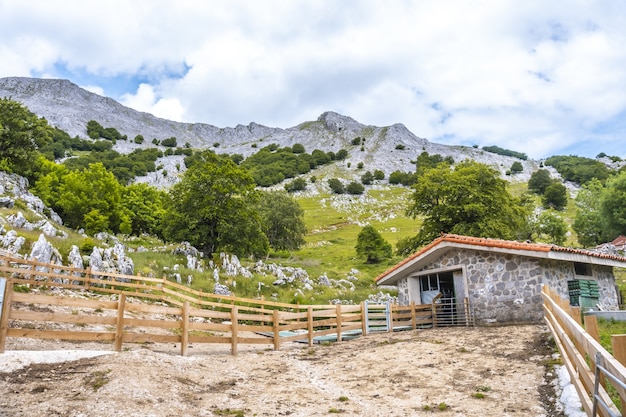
point(298, 148)
point(613, 206)
point(372, 246)
point(214, 208)
point(539, 181)
point(21, 134)
point(298, 184)
point(552, 225)
point(336, 186)
point(91, 199)
point(588, 223)
point(282, 220)
point(470, 199)
point(516, 167)
point(143, 205)
point(367, 178)
point(355, 188)
point(555, 196)
point(379, 175)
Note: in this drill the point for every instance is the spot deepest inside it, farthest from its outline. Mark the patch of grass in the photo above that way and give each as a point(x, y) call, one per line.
point(334, 410)
point(228, 412)
point(98, 379)
point(478, 395)
point(483, 388)
point(443, 406)
point(343, 398)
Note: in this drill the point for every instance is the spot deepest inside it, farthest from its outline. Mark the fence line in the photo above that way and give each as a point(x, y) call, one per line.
point(180, 314)
point(581, 350)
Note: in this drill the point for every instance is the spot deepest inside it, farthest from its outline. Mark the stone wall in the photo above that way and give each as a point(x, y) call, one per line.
point(507, 288)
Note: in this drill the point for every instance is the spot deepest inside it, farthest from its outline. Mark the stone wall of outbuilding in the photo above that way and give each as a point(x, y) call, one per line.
point(506, 288)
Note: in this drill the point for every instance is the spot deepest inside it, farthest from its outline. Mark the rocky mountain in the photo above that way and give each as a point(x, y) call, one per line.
point(69, 107)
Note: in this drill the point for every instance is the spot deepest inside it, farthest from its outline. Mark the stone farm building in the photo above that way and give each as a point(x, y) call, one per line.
point(502, 280)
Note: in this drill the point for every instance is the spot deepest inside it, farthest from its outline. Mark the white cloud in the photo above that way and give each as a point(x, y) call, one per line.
point(146, 100)
point(533, 76)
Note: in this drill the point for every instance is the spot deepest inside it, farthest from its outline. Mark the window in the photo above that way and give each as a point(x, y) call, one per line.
point(582, 269)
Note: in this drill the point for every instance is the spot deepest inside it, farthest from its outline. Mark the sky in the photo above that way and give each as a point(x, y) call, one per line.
point(543, 77)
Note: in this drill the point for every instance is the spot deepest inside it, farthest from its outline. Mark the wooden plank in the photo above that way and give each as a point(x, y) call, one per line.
point(61, 317)
point(61, 335)
point(618, 345)
point(152, 309)
point(63, 301)
point(150, 338)
point(155, 323)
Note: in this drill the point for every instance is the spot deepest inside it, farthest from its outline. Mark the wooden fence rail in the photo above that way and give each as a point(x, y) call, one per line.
point(580, 349)
point(175, 313)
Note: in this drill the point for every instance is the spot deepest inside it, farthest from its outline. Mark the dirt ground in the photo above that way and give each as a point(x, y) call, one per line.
point(494, 371)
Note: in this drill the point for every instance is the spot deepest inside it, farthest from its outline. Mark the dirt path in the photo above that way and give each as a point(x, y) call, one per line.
point(439, 371)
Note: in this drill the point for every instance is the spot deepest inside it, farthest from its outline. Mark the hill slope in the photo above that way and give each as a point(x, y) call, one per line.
point(69, 107)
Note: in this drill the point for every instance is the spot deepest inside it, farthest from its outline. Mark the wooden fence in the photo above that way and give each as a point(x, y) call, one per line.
point(122, 309)
point(590, 366)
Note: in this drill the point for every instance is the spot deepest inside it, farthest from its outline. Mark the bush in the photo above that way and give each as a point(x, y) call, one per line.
point(336, 186)
point(355, 188)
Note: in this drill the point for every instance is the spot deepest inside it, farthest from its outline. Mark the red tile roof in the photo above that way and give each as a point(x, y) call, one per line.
point(497, 243)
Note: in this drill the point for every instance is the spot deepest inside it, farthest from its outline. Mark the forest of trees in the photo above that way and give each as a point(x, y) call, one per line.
point(218, 206)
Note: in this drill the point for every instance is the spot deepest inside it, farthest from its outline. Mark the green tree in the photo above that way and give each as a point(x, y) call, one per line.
point(539, 181)
point(214, 208)
point(143, 204)
point(90, 198)
point(21, 134)
point(379, 175)
point(336, 186)
point(282, 220)
point(588, 223)
point(471, 200)
point(298, 184)
point(517, 167)
point(372, 246)
point(94, 129)
point(613, 206)
point(355, 188)
point(367, 178)
point(551, 227)
point(555, 196)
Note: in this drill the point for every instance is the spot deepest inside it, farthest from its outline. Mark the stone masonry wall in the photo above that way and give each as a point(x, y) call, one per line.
point(507, 288)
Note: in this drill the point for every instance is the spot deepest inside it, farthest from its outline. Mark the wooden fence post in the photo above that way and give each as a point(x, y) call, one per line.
point(4, 314)
point(309, 317)
point(119, 325)
point(434, 314)
point(88, 278)
point(338, 314)
point(591, 327)
point(276, 329)
point(618, 343)
point(363, 318)
point(413, 316)
point(234, 323)
point(575, 312)
point(184, 337)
